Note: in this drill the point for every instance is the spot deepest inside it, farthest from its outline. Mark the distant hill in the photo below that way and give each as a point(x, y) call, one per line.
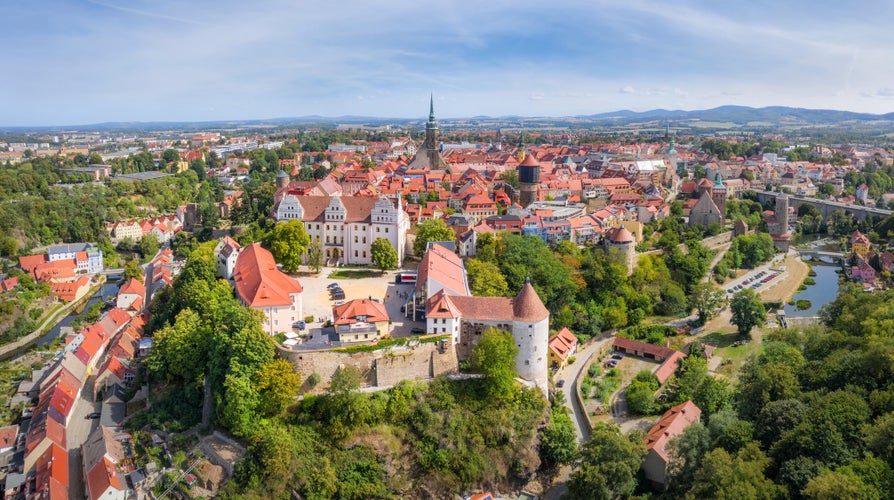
point(745, 114)
point(739, 115)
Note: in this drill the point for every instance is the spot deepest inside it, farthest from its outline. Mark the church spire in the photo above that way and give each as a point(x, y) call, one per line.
point(431, 108)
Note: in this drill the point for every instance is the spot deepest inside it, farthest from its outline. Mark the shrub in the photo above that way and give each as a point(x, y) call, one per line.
point(803, 305)
point(594, 370)
point(571, 360)
point(809, 281)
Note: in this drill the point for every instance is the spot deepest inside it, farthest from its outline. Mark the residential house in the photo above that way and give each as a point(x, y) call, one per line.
point(361, 320)
point(668, 357)
point(226, 252)
point(260, 285)
point(132, 295)
point(670, 425)
point(562, 346)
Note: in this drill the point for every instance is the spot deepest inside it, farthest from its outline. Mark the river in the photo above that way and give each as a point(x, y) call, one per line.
point(824, 291)
point(110, 288)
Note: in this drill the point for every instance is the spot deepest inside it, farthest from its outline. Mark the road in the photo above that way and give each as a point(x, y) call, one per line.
point(570, 374)
point(76, 433)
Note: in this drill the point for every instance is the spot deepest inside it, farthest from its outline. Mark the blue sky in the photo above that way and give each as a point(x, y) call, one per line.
point(83, 61)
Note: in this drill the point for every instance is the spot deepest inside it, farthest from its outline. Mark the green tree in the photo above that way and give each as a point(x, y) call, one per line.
point(641, 393)
point(170, 156)
point(486, 248)
point(608, 465)
point(747, 311)
point(278, 385)
point(430, 231)
point(133, 270)
point(485, 279)
point(315, 256)
point(511, 177)
point(149, 246)
point(180, 351)
point(384, 256)
point(558, 442)
point(879, 437)
point(287, 242)
point(8, 246)
point(722, 475)
point(707, 300)
point(494, 356)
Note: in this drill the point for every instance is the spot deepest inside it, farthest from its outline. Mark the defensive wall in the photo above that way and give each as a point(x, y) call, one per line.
point(416, 360)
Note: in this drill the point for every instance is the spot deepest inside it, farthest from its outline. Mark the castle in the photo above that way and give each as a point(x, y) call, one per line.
point(442, 292)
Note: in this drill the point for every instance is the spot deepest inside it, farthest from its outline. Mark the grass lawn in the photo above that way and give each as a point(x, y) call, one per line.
point(353, 274)
point(738, 354)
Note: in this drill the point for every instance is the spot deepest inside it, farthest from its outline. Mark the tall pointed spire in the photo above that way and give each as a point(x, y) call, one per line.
point(431, 108)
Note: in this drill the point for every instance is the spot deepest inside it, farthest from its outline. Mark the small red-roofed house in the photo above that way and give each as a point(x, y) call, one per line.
point(71, 290)
point(57, 270)
point(671, 424)
point(132, 292)
point(9, 283)
point(562, 346)
point(113, 371)
point(360, 320)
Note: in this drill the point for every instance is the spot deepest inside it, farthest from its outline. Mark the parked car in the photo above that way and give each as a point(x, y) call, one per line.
point(91, 416)
point(339, 302)
point(617, 355)
point(560, 383)
point(417, 331)
point(300, 325)
point(333, 286)
point(612, 363)
point(338, 296)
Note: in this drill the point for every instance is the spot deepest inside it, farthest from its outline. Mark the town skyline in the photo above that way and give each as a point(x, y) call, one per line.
point(106, 61)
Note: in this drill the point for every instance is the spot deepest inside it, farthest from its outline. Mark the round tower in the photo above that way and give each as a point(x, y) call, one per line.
point(624, 241)
point(528, 178)
point(282, 179)
point(530, 329)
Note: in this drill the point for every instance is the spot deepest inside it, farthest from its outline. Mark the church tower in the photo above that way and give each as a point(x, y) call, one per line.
point(528, 178)
point(429, 156)
point(718, 195)
point(671, 164)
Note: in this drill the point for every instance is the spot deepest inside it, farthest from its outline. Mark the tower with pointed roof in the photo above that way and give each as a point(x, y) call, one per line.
point(718, 195)
point(282, 179)
point(622, 240)
point(429, 156)
point(671, 163)
point(530, 329)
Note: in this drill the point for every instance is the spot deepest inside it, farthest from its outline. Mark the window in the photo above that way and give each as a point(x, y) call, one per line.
point(276, 322)
point(364, 254)
point(355, 253)
point(356, 238)
point(377, 229)
point(364, 239)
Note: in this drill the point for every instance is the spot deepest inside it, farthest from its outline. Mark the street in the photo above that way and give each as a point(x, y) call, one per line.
point(76, 431)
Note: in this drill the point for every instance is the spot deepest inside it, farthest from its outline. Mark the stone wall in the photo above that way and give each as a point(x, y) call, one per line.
point(379, 368)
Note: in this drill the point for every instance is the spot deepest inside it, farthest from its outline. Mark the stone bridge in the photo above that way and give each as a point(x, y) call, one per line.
point(826, 207)
point(835, 256)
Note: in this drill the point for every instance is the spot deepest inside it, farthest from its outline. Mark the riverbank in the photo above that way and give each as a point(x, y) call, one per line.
point(9, 350)
point(795, 273)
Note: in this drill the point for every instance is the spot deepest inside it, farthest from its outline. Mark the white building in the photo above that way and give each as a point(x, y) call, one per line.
point(346, 226)
point(225, 254)
point(87, 257)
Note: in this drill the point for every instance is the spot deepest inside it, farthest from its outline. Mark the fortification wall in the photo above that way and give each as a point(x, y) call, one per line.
point(384, 367)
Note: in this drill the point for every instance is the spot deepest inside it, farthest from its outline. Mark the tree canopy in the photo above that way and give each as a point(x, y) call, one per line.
point(429, 231)
point(288, 242)
point(384, 256)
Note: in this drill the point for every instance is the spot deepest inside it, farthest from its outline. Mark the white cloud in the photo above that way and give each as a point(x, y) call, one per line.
point(627, 89)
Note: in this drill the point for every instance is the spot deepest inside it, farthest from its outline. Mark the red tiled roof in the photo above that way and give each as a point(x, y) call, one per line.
point(29, 262)
point(562, 343)
point(669, 366)
point(68, 291)
point(441, 265)
point(259, 283)
point(52, 473)
point(102, 476)
point(134, 286)
point(527, 305)
point(622, 235)
point(635, 345)
point(8, 436)
point(670, 425)
point(348, 312)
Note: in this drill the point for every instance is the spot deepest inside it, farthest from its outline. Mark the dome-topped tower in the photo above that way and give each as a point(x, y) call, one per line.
point(282, 179)
point(528, 178)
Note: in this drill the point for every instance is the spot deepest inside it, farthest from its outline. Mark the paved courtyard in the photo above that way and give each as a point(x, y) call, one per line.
point(316, 303)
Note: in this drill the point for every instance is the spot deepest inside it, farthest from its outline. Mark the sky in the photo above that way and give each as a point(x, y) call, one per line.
point(67, 62)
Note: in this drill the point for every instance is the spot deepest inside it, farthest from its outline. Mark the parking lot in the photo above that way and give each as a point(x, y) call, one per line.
point(316, 302)
point(759, 280)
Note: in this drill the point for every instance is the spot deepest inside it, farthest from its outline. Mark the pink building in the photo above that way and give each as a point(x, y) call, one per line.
point(260, 285)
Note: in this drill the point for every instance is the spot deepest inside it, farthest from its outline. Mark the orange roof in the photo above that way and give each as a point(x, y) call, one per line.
point(8, 436)
point(439, 306)
point(52, 473)
point(134, 286)
point(622, 235)
point(29, 262)
point(527, 305)
point(65, 393)
point(444, 267)
point(348, 313)
point(102, 476)
point(67, 291)
point(562, 343)
point(94, 338)
point(259, 283)
point(669, 366)
point(670, 425)
point(58, 269)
